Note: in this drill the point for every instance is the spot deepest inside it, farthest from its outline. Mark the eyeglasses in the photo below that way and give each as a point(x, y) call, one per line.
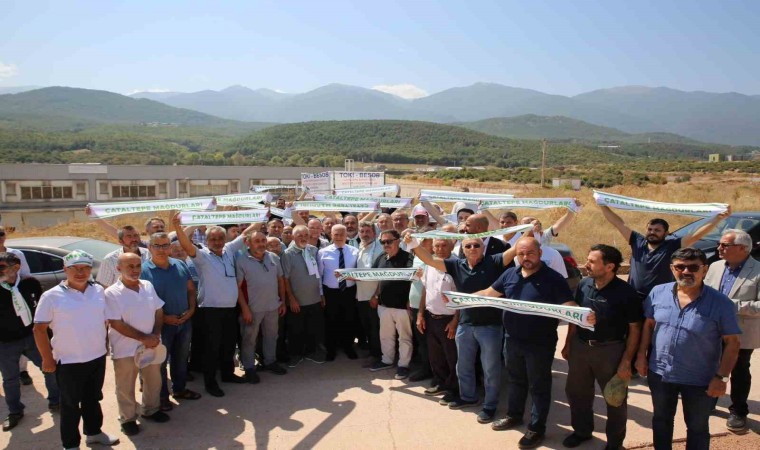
point(681, 267)
point(161, 247)
point(468, 246)
point(387, 241)
point(724, 245)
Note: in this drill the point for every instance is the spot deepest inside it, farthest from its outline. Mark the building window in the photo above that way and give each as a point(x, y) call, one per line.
point(81, 188)
point(46, 192)
point(103, 187)
point(10, 189)
point(162, 188)
point(197, 190)
point(182, 188)
point(133, 191)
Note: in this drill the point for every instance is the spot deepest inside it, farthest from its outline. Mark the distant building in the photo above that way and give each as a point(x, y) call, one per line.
point(714, 157)
point(574, 183)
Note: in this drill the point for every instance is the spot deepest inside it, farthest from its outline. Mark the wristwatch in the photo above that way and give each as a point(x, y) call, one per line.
point(721, 378)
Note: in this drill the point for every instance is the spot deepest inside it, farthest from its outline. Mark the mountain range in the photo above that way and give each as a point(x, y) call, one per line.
point(726, 118)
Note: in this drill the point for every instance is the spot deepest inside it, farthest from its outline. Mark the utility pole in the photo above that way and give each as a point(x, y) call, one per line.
point(543, 160)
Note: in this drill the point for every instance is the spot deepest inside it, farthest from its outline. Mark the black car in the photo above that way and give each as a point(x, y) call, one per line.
point(571, 265)
point(746, 221)
point(45, 255)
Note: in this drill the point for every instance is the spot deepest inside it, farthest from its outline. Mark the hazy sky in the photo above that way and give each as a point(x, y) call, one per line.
point(412, 47)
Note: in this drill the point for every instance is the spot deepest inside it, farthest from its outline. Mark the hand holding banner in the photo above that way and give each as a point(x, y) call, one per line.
point(385, 202)
point(637, 204)
point(241, 199)
point(223, 217)
point(336, 206)
point(105, 210)
point(360, 191)
point(377, 274)
point(532, 203)
point(430, 195)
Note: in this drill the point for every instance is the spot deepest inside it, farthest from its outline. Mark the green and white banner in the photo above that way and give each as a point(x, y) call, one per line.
point(271, 187)
point(447, 235)
point(336, 206)
point(385, 202)
point(223, 217)
point(370, 190)
point(577, 315)
point(637, 204)
point(105, 210)
point(241, 199)
point(531, 203)
point(430, 195)
point(377, 274)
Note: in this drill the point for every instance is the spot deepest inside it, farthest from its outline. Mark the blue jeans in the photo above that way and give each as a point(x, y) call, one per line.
point(529, 370)
point(696, 413)
point(488, 338)
point(176, 338)
point(10, 352)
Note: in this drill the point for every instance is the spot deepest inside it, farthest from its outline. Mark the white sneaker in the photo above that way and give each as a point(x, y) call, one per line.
point(102, 439)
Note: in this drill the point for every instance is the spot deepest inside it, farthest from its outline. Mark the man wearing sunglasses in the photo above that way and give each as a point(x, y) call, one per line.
point(694, 337)
point(737, 275)
point(391, 299)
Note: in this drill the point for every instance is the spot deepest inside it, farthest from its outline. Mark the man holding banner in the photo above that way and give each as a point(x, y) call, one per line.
point(531, 340)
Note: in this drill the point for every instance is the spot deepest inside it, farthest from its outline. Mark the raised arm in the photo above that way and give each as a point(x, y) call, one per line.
point(616, 221)
point(433, 211)
point(183, 239)
point(563, 221)
point(423, 254)
point(105, 226)
point(698, 234)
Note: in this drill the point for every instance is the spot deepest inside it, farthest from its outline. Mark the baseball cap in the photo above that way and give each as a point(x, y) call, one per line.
point(144, 356)
point(420, 210)
point(77, 257)
point(615, 391)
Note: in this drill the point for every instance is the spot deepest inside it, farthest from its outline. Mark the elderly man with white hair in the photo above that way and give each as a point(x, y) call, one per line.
point(737, 275)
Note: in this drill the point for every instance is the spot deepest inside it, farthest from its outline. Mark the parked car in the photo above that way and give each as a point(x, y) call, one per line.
point(45, 255)
point(571, 265)
point(746, 221)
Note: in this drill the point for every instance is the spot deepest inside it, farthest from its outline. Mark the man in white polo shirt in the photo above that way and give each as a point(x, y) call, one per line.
point(75, 311)
point(135, 314)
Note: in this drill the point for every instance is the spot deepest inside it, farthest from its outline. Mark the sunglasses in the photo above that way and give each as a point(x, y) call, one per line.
point(161, 247)
point(681, 267)
point(724, 245)
point(387, 241)
point(468, 246)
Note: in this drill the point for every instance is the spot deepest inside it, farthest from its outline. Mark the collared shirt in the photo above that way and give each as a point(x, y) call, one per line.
point(367, 255)
point(616, 306)
point(650, 268)
point(78, 322)
point(199, 237)
point(437, 282)
point(553, 259)
point(136, 309)
point(193, 271)
point(687, 343)
point(354, 241)
point(218, 285)
point(306, 287)
point(415, 291)
point(543, 286)
point(469, 280)
point(108, 273)
point(729, 278)
point(261, 279)
point(11, 326)
point(170, 284)
point(393, 293)
point(328, 260)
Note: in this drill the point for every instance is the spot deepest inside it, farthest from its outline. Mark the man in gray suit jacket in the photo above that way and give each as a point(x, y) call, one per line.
point(737, 275)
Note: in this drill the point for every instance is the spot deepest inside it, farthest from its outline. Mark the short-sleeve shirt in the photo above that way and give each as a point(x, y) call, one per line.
point(170, 284)
point(306, 288)
point(394, 293)
point(469, 280)
point(108, 271)
point(543, 286)
point(261, 279)
point(136, 309)
point(650, 268)
point(616, 306)
point(687, 343)
point(437, 282)
point(217, 287)
point(78, 322)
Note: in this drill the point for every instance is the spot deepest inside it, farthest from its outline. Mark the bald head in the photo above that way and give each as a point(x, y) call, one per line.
point(476, 223)
point(129, 266)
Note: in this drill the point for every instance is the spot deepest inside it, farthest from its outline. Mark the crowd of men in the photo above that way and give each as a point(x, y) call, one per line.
point(265, 296)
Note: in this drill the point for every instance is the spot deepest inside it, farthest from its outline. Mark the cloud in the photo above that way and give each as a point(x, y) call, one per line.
point(408, 91)
point(8, 70)
point(154, 90)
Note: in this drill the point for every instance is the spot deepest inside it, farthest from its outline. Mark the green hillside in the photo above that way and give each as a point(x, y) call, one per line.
point(392, 141)
point(531, 126)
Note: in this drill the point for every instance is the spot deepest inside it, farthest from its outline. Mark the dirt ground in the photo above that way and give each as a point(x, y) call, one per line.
point(341, 405)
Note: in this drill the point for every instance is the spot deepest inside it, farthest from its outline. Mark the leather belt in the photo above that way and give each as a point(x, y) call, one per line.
point(439, 316)
point(596, 343)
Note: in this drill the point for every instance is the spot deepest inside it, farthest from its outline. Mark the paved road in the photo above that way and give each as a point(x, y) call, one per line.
point(339, 405)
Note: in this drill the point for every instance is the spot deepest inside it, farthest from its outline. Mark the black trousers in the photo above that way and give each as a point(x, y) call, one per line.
point(306, 329)
point(220, 329)
point(370, 323)
point(419, 341)
point(81, 386)
point(340, 315)
point(741, 380)
point(442, 352)
point(197, 342)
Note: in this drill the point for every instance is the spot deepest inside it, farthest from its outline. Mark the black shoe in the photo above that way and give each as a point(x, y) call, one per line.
point(158, 417)
point(419, 376)
point(275, 369)
point(458, 403)
point(435, 390)
point(486, 415)
point(447, 398)
point(402, 373)
point(736, 423)
point(130, 428)
point(330, 356)
point(574, 440)
point(233, 379)
point(351, 354)
point(26, 380)
point(531, 439)
point(215, 391)
point(252, 377)
point(11, 421)
point(53, 407)
point(506, 423)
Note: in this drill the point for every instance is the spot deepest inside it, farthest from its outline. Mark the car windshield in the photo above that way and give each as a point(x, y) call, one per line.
point(741, 223)
point(98, 249)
